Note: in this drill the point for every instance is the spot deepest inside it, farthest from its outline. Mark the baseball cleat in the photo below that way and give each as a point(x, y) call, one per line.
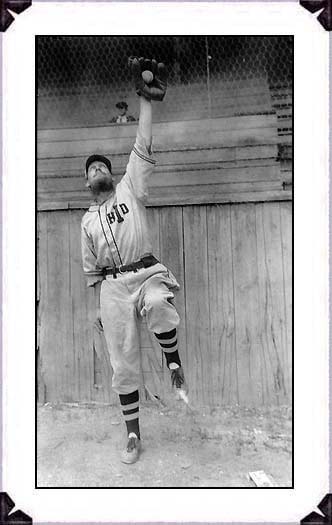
point(178, 380)
point(132, 452)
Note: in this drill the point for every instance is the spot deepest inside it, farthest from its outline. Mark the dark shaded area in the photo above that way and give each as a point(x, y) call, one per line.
point(325, 506)
point(66, 64)
point(7, 517)
point(17, 6)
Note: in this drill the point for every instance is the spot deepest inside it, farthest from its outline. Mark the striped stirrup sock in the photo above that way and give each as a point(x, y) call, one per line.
point(130, 411)
point(169, 344)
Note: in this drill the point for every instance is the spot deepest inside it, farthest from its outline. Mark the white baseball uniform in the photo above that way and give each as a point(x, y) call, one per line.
point(116, 233)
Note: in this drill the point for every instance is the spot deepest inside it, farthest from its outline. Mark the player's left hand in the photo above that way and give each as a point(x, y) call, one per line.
point(154, 90)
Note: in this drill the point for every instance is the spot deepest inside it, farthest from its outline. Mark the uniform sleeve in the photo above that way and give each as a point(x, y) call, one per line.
point(92, 273)
point(139, 168)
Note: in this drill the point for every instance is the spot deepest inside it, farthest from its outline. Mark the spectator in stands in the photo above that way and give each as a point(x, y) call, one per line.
point(122, 117)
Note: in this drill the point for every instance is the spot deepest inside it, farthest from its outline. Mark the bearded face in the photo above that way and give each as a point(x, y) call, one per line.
point(99, 178)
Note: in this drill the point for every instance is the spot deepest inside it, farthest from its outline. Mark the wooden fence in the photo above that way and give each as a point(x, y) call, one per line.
point(233, 262)
point(231, 159)
point(221, 219)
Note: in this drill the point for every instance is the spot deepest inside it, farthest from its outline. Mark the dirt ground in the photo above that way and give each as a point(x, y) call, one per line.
point(79, 446)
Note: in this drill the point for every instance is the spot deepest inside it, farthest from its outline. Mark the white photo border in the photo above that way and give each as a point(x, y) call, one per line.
point(214, 495)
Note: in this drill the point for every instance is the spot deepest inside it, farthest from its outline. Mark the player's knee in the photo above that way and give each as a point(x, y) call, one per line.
point(161, 314)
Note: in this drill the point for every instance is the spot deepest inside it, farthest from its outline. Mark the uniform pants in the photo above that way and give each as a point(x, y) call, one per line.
point(147, 292)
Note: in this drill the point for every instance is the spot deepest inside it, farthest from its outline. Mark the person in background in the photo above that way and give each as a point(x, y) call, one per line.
point(122, 117)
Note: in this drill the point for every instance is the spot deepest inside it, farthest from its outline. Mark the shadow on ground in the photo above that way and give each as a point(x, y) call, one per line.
point(80, 445)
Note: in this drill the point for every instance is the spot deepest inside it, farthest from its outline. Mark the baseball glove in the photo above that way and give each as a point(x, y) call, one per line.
point(154, 90)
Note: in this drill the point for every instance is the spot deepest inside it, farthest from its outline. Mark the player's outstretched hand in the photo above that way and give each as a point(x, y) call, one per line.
point(150, 77)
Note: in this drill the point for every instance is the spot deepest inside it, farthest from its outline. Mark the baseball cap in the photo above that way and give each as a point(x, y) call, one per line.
point(121, 105)
point(98, 158)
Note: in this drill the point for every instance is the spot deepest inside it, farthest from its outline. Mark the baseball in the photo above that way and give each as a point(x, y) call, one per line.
point(147, 76)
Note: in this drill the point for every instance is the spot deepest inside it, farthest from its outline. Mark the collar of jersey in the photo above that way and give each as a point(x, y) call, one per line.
point(96, 206)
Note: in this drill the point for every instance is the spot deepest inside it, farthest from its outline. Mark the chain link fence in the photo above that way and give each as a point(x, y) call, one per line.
point(80, 79)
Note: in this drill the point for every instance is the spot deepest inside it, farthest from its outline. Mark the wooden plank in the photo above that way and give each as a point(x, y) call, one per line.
point(210, 131)
point(238, 106)
point(177, 189)
point(284, 113)
point(81, 347)
point(246, 304)
point(282, 100)
point(197, 304)
point(204, 162)
point(222, 312)
point(181, 177)
point(232, 156)
point(50, 204)
point(285, 123)
point(61, 202)
point(245, 174)
point(66, 307)
point(41, 386)
point(286, 212)
point(54, 201)
point(43, 308)
point(58, 340)
point(273, 336)
point(48, 321)
point(255, 152)
point(171, 173)
point(269, 363)
point(221, 189)
point(275, 268)
point(172, 256)
point(246, 136)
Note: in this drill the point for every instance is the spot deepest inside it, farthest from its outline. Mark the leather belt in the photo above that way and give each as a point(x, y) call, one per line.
point(144, 262)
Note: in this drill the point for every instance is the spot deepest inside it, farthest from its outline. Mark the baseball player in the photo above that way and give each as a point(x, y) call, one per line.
point(118, 260)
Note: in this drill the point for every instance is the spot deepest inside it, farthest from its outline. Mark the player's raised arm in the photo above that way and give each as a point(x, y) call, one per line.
point(145, 122)
point(150, 82)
